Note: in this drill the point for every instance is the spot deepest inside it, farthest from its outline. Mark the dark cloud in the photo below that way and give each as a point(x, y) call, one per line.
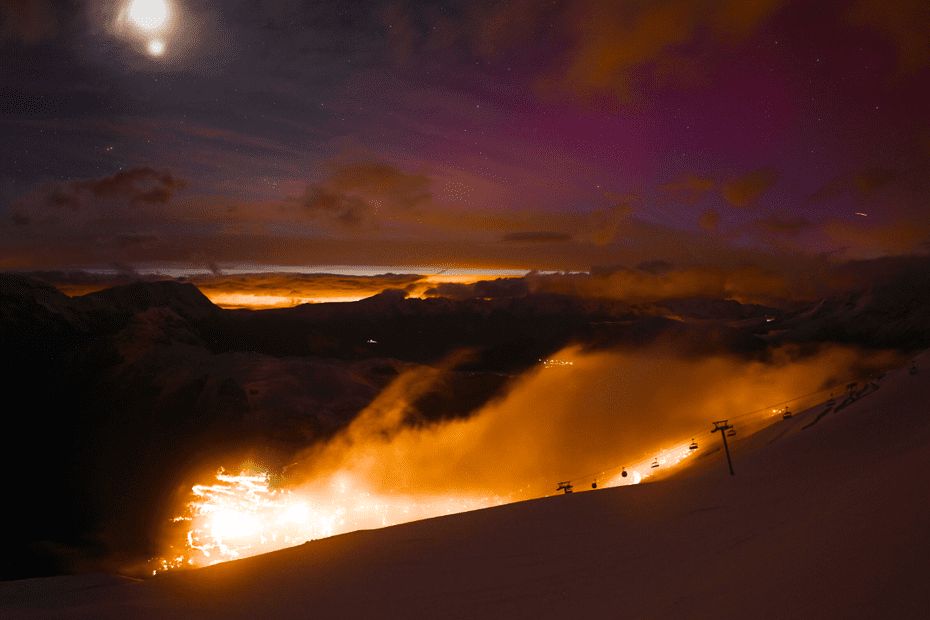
point(347, 210)
point(783, 224)
point(903, 23)
point(28, 21)
point(655, 266)
point(745, 190)
point(367, 192)
point(542, 236)
point(136, 186)
point(135, 239)
point(688, 189)
point(860, 184)
point(485, 289)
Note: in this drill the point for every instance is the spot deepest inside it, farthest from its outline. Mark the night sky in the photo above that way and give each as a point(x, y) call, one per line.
point(520, 135)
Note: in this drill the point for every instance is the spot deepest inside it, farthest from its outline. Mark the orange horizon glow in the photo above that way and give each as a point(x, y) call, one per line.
point(294, 292)
point(295, 296)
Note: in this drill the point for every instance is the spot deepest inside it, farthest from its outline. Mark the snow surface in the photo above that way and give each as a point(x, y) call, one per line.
point(829, 521)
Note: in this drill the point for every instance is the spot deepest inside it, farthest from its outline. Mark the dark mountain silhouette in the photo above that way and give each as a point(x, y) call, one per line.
point(184, 299)
point(892, 311)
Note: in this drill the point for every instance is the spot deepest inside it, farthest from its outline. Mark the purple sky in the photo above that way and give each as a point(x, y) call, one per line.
point(523, 135)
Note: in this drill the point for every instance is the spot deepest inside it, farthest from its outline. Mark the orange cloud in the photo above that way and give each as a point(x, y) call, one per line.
point(783, 224)
point(688, 189)
point(864, 239)
point(745, 190)
point(903, 23)
point(744, 283)
point(621, 46)
point(860, 184)
point(605, 224)
point(539, 236)
point(602, 411)
point(360, 193)
point(709, 220)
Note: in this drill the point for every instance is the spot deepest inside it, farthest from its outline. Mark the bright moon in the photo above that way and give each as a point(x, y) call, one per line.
point(156, 47)
point(148, 14)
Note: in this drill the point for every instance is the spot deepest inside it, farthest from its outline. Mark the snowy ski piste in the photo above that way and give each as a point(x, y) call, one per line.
point(806, 528)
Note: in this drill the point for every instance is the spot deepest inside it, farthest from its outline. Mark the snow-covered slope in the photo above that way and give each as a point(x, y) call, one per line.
point(827, 521)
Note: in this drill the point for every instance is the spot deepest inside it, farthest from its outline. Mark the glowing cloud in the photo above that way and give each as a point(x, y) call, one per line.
point(381, 471)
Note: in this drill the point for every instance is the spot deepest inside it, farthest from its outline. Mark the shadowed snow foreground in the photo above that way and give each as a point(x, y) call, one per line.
point(825, 521)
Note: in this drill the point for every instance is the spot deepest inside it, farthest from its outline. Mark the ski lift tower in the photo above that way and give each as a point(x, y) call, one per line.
point(722, 427)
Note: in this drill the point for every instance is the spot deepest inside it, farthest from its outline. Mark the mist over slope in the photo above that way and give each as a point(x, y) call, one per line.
point(809, 527)
point(128, 391)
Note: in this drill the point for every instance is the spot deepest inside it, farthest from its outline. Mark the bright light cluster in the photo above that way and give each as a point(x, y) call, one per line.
point(643, 470)
point(243, 515)
point(152, 18)
point(148, 14)
point(556, 363)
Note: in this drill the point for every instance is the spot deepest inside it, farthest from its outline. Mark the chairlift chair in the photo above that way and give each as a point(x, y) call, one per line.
point(731, 432)
point(786, 414)
point(655, 463)
point(693, 445)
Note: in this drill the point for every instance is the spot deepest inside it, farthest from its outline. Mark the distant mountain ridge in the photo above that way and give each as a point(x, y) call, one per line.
point(182, 297)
